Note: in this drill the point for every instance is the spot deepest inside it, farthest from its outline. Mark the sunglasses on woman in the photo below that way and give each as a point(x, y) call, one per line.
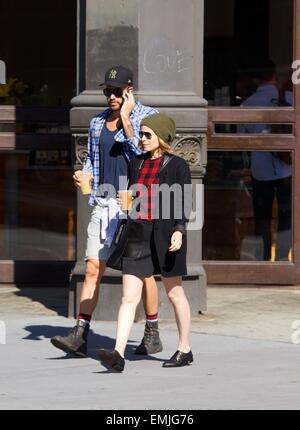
point(146, 134)
point(117, 92)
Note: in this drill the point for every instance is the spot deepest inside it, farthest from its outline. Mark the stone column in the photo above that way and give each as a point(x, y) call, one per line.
point(162, 42)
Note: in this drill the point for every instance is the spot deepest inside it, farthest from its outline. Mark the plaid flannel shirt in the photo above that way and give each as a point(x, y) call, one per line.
point(148, 176)
point(93, 163)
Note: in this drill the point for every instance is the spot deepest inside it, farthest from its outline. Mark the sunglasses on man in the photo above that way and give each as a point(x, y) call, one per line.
point(117, 92)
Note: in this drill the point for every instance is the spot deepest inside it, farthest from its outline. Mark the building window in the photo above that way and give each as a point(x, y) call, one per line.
point(37, 201)
point(251, 192)
point(240, 37)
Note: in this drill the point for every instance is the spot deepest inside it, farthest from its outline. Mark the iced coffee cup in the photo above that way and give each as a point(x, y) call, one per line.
point(125, 198)
point(85, 184)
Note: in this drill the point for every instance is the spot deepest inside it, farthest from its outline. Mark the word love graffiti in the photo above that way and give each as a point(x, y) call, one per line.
point(162, 56)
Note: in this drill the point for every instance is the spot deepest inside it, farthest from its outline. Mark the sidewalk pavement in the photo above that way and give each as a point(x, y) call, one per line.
point(243, 350)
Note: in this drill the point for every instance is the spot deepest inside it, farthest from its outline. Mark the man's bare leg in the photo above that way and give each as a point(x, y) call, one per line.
point(76, 341)
point(90, 291)
point(150, 296)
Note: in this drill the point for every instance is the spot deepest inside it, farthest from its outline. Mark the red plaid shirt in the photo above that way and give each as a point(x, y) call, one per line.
point(148, 176)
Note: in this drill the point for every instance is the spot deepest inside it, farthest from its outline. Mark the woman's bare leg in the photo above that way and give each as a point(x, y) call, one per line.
point(181, 306)
point(132, 294)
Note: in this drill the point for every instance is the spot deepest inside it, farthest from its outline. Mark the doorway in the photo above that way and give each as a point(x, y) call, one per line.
point(242, 40)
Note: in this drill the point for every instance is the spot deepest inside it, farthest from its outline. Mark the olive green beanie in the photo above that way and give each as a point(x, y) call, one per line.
point(163, 126)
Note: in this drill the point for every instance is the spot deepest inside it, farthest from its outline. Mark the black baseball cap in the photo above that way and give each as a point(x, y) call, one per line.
point(118, 76)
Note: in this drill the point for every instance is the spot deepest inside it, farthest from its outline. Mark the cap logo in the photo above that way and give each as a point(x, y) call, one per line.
point(113, 74)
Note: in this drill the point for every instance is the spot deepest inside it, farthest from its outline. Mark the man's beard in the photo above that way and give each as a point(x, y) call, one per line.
point(116, 107)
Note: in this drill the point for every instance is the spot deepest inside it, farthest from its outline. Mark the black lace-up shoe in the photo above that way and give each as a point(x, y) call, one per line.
point(76, 341)
point(180, 359)
point(112, 360)
point(151, 343)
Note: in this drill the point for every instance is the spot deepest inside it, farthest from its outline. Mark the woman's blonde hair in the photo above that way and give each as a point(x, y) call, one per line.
point(165, 147)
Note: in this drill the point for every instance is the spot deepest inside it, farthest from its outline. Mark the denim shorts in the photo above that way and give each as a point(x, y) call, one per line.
point(96, 248)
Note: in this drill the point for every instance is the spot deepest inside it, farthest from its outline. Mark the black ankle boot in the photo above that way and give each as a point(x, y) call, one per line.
point(76, 341)
point(151, 343)
point(111, 360)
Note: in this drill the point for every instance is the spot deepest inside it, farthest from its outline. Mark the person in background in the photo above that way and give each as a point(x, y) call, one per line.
point(271, 175)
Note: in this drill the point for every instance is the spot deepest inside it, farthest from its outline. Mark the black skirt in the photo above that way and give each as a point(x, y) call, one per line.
point(140, 256)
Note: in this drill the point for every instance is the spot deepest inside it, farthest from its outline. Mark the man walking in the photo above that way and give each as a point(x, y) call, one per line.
point(113, 142)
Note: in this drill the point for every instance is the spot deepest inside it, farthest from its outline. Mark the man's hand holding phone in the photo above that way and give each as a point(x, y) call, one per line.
point(128, 104)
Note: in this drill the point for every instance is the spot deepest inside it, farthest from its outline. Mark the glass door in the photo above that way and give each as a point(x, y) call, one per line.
point(251, 232)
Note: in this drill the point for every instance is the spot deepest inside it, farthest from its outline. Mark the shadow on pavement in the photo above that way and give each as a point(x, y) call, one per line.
point(96, 341)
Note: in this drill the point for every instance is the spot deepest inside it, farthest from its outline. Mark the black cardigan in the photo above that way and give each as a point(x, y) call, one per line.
point(174, 170)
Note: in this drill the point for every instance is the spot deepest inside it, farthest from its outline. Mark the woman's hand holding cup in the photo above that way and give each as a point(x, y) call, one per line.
point(124, 199)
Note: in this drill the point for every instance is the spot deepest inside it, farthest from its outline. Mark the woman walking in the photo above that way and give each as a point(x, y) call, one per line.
point(156, 243)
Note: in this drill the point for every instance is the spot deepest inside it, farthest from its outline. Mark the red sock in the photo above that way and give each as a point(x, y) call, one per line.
point(152, 318)
point(85, 318)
